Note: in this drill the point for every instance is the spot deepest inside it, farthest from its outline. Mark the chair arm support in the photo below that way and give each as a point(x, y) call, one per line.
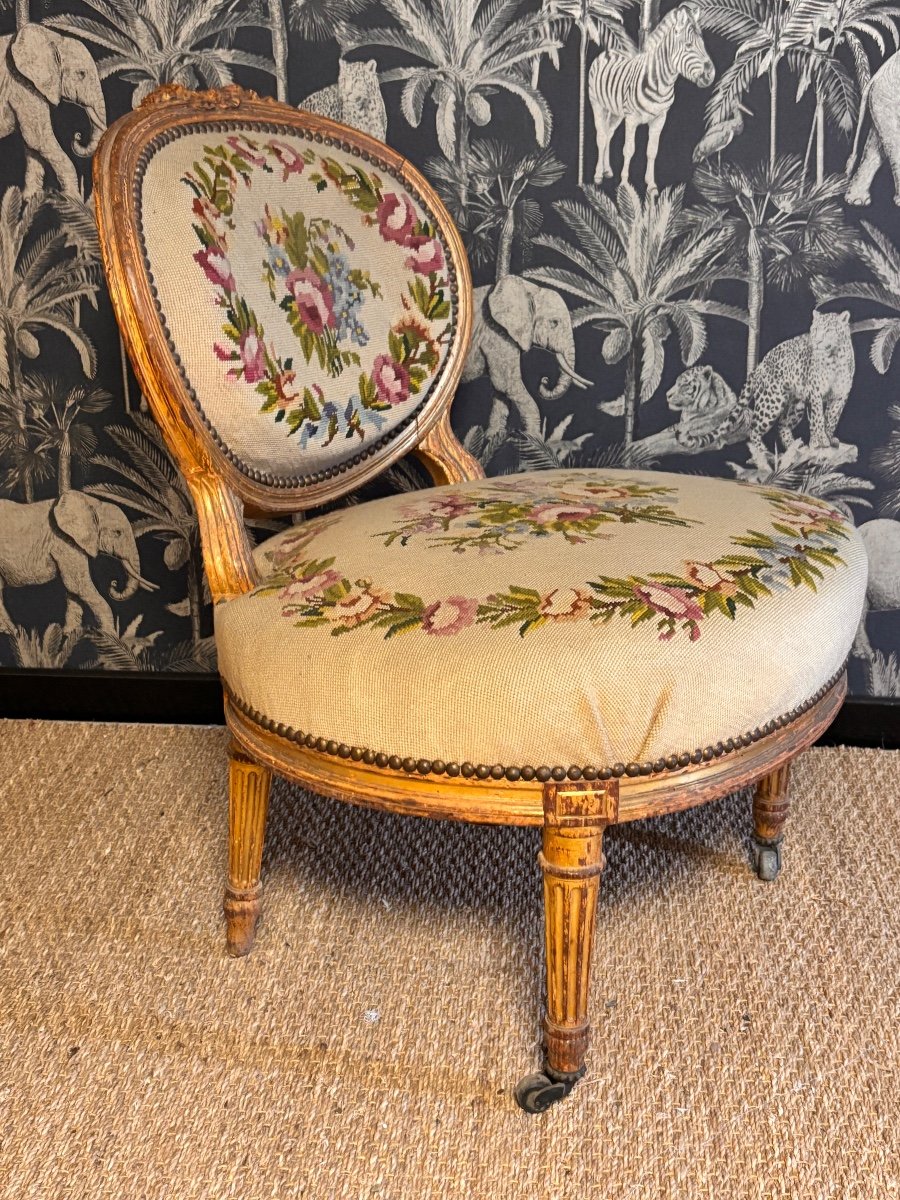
point(444, 457)
point(227, 554)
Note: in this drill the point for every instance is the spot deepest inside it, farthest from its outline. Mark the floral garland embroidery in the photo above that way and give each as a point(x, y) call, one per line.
point(800, 547)
point(500, 517)
point(310, 278)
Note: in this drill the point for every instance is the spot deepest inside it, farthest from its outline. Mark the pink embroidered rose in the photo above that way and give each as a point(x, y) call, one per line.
point(311, 586)
point(449, 616)
point(549, 514)
point(223, 353)
point(216, 267)
point(453, 506)
point(670, 601)
point(357, 605)
point(313, 298)
point(711, 580)
point(803, 515)
point(391, 379)
point(564, 604)
point(600, 492)
point(426, 256)
point(253, 356)
point(246, 150)
point(396, 218)
point(290, 159)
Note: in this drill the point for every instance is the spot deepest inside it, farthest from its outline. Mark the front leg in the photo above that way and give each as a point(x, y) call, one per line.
point(654, 131)
point(575, 818)
point(34, 176)
point(818, 438)
point(858, 189)
point(248, 805)
point(85, 594)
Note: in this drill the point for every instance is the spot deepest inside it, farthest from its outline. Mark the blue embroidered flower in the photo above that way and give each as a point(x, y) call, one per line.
point(279, 261)
point(348, 299)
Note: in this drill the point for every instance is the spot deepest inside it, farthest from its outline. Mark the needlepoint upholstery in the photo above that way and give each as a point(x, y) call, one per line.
point(556, 617)
point(306, 291)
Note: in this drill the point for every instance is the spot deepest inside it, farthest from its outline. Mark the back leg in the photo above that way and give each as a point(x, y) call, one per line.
point(770, 811)
point(603, 124)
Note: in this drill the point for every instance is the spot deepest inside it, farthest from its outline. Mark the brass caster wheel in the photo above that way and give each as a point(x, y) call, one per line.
point(766, 858)
point(536, 1093)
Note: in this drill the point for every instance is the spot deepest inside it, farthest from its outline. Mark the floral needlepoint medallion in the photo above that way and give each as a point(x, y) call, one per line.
point(802, 542)
point(336, 307)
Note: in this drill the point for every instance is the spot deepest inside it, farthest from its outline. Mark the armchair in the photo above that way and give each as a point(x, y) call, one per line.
point(565, 649)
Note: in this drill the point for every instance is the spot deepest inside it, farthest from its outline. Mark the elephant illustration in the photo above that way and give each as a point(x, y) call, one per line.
point(49, 538)
point(38, 69)
point(879, 99)
point(511, 317)
point(882, 541)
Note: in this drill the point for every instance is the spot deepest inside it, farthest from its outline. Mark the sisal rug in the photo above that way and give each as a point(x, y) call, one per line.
point(746, 1035)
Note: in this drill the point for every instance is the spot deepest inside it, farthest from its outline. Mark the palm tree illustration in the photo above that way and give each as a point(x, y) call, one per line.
point(598, 22)
point(43, 276)
point(27, 459)
point(150, 42)
point(882, 258)
point(56, 417)
point(319, 20)
point(638, 266)
point(501, 215)
point(466, 50)
point(155, 488)
point(768, 32)
point(776, 233)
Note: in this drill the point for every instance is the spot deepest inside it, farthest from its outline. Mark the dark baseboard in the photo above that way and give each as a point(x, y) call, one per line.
point(141, 696)
point(197, 700)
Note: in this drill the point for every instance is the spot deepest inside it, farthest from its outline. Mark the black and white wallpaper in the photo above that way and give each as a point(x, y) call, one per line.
point(681, 217)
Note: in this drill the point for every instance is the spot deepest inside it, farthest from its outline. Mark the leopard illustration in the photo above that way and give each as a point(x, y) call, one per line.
point(810, 375)
point(355, 99)
point(707, 407)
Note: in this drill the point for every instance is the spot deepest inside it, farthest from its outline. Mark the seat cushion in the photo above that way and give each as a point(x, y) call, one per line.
point(568, 617)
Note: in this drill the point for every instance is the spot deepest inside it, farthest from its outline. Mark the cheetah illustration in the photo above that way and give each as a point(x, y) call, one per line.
point(355, 99)
point(810, 375)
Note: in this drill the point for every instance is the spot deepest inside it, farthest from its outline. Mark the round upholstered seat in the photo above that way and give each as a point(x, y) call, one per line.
point(569, 617)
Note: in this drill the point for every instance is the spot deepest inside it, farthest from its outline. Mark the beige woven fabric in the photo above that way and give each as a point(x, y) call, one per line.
point(306, 292)
point(746, 1045)
point(558, 618)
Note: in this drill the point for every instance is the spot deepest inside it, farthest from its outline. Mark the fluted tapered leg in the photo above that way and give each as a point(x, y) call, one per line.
point(575, 817)
point(771, 805)
point(248, 802)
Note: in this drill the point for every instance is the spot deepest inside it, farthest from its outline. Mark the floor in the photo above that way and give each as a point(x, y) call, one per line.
point(746, 1034)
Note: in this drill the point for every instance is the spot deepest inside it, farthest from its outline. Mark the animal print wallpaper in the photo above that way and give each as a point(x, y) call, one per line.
point(683, 226)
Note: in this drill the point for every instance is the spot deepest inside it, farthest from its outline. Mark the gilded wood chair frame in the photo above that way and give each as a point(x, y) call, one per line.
point(572, 805)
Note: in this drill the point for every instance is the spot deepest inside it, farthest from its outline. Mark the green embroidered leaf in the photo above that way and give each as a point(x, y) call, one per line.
point(410, 602)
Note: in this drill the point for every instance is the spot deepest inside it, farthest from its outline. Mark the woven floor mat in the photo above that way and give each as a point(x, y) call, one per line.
point(746, 1035)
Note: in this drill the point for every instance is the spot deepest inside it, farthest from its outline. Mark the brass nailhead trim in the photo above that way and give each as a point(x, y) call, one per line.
point(482, 771)
point(266, 477)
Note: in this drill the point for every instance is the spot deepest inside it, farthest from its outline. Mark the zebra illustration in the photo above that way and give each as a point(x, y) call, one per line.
point(639, 88)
